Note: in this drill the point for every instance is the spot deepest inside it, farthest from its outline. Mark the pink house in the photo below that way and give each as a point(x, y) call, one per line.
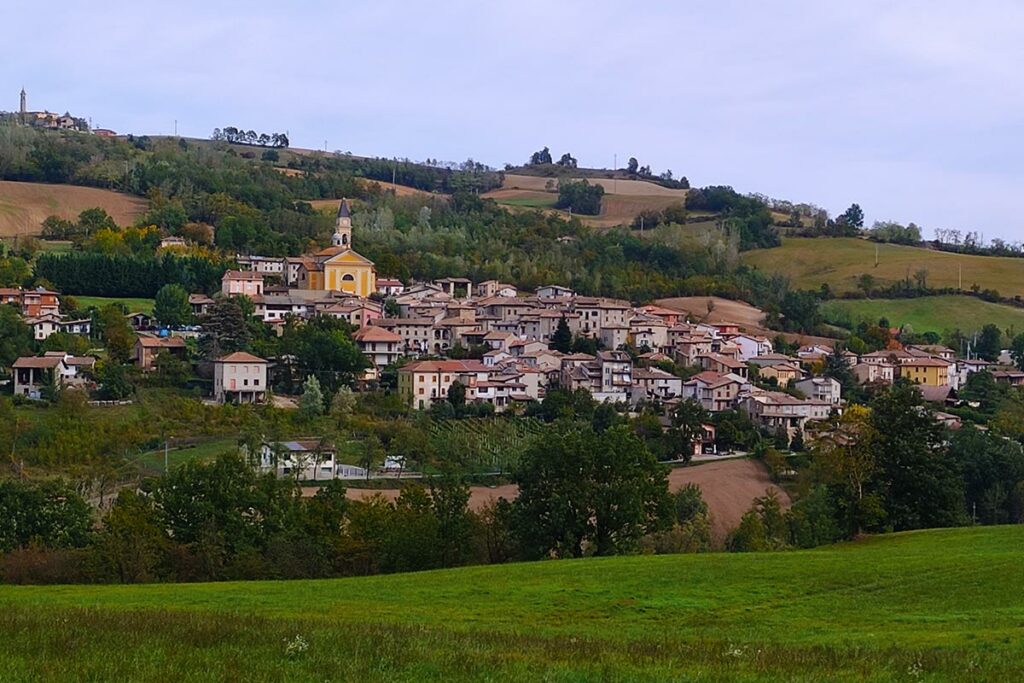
point(242, 282)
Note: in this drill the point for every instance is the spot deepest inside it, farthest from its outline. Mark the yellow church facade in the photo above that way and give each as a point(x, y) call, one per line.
point(339, 268)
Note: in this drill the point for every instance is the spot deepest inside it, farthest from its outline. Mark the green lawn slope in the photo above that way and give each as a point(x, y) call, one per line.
point(809, 262)
point(924, 314)
point(936, 606)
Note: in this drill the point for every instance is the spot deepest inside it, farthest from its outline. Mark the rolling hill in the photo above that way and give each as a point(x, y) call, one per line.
point(934, 605)
point(925, 314)
point(24, 206)
point(809, 262)
point(623, 198)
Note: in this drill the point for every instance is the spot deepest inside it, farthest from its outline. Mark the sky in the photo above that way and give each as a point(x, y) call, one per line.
point(913, 109)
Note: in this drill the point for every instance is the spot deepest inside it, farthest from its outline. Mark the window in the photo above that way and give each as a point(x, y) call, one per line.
point(347, 277)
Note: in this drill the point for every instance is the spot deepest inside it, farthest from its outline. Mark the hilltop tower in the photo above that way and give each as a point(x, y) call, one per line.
point(23, 108)
point(343, 227)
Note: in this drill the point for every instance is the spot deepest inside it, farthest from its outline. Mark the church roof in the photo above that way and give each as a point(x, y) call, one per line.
point(343, 210)
point(342, 252)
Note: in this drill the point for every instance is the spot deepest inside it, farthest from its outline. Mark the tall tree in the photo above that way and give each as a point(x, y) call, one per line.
point(561, 340)
point(172, 308)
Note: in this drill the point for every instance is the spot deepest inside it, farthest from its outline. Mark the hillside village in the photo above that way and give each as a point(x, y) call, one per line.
point(520, 345)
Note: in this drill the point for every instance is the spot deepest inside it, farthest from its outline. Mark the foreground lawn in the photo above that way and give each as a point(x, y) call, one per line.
point(924, 314)
point(945, 605)
point(809, 262)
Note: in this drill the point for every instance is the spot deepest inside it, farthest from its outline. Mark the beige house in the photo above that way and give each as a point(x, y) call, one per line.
point(147, 348)
point(242, 283)
point(783, 373)
point(424, 382)
point(382, 346)
point(240, 377)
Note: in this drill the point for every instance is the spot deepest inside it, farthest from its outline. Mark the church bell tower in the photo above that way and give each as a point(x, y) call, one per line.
point(343, 227)
point(23, 108)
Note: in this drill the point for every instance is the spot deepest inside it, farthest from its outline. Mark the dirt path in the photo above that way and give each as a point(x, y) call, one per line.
point(729, 488)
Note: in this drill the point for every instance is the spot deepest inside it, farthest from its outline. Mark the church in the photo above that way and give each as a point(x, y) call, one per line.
point(339, 268)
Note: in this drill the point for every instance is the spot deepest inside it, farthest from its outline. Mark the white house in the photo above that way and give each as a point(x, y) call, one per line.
point(825, 389)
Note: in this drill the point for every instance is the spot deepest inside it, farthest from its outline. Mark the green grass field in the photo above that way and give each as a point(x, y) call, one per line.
point(152, 462)
point(133, 305)
point(929, 606)
point(531, 202)
point(931, 313)
point(811, 261)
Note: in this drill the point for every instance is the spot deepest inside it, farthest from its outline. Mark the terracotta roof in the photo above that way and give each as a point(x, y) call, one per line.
point(374, 333)
point(240, 357)
point(162, 342)
point(242, 275)
point(40, 362)
point(445, 366)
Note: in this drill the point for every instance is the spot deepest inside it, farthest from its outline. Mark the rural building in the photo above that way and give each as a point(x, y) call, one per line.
point(240, 378)
point(242, 283)
point(382, 346)
point(302, 459)
point(423, 382)
point(338, 268)
point(148, 347)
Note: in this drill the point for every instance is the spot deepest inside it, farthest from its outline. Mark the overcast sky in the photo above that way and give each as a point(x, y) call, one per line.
point(912, 109)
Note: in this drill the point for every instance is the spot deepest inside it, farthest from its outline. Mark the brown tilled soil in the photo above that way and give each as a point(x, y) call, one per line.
point(24, 206)
point(729, 488)
point(748, 317)
point(617, 187)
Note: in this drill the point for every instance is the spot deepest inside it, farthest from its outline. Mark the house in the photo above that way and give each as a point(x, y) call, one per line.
point(614, 336)
point(141, 321)
point(416, 333)
point(489, 288)
point(303, 459)
point(32, 373)
point(750, 346)
point(782, 373)
point(654, 383)
point(174, 242)
point(931, 371)
point(554, 292)
point(200, 304)
point(81, 326)
point(389, 287)
point(647, 332)
point(38, 302)
point(43, 326)
point(827, 389)
point(607, 376)
point(715, 362)
point(715, 392)
point(240, 378)
point(242, 283)
point(423, 382)
point(870, 373)
point(382, 346)
point(267, 265)
point(774, 411)
point(148, 347)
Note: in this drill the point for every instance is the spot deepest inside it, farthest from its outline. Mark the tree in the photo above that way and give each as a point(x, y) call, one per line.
point(117, 333)
point(917, 479)
point(686, 428)
point(581, 492)
point(113, 381)
point(632, 165)
point(15, 336)
point(311, 403)
point(580, 197)
point(541, 157)
point(225, 328)
point(132, 544)
point(990, 343)
point(561, 340)
point(1017, 351)
point(457, 396)
point(845, 454)
point(853, 217)
point(93, 220)
point(567, 160)
point(172, 308)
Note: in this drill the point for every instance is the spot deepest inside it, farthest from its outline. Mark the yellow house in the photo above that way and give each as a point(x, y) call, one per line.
point(784, 373)
point(339, 267)
point(932, 372)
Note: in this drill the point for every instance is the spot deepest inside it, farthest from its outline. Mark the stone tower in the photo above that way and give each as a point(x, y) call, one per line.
point(343, 227)
point(23, 108)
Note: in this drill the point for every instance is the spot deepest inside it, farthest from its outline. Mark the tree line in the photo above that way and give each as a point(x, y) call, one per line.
point(241, 136)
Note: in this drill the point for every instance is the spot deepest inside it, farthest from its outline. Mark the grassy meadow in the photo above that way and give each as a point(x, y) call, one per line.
point(133, 305)
point(924, 314)
point(932, 606)
point(809, 262)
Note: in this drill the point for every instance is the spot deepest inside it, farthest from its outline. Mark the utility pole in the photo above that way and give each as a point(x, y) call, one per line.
point(615, 174)
point(175, 127)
